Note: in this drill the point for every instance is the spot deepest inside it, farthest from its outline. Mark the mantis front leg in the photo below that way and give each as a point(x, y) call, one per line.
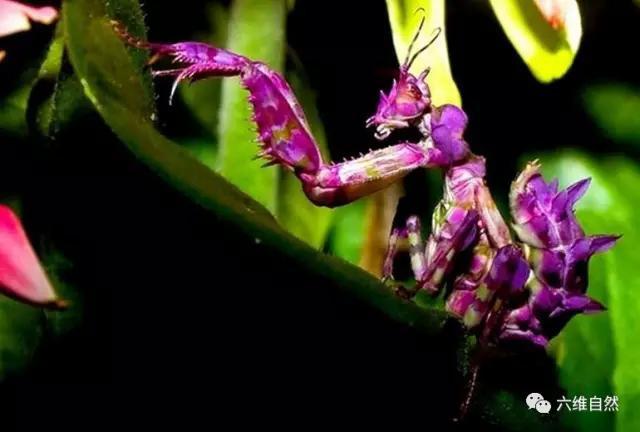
point(283, 131)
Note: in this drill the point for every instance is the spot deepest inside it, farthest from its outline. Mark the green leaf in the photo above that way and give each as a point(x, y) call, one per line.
point(202, 149)
point(256, 30)
point(13, 104)
point(299, 216)
point(12, 111)
point(405, 19)
point(296, 213)
point(112, 80)
point(346, 239)
point(600, 353)
point(615, 108)
point(57, 98)
point(547, 52)
point(41, 98)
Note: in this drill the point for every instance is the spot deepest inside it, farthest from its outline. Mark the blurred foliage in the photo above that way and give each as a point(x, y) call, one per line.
point(614, 108)
point(347, 232)
point(11, 112)
point(16, 96)
point(21, 328)
point(547, 51)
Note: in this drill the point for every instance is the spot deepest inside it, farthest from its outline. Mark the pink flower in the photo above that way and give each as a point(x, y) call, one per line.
point(21, 274)
point(554, 12)
point(15, 17)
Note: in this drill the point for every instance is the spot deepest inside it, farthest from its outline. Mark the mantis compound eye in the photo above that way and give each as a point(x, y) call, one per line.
point(413, 91)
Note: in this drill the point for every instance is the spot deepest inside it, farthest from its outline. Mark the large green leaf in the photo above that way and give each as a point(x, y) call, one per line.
point(599, 355)
point(548, 52)
point(256, 30)
point(404, 18)
point(112, 80)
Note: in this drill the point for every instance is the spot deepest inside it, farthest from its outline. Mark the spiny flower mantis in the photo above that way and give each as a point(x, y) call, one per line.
point(507, 290)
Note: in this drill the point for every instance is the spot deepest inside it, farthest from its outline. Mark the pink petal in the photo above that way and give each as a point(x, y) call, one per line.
point(14, 16)
point(554, 12)
point(21, 274)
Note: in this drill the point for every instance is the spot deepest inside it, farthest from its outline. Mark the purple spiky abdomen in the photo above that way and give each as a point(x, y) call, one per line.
point(558, 252)
point(557, 247)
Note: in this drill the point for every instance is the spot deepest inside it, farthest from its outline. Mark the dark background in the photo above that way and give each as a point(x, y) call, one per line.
point(190, 325)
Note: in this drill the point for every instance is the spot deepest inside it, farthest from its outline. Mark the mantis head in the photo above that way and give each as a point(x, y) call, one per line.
point(409, 98)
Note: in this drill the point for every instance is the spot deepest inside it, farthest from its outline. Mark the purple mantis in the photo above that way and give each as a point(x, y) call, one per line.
point(505, 290)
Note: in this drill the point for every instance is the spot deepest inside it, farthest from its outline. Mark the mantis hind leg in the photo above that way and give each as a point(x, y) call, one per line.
point(431, 264)
point(411, 231)
point(453, 233)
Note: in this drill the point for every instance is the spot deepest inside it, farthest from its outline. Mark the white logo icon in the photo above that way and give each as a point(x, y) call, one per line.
point(536, 401)
point(532, 399)
point(543, 406)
